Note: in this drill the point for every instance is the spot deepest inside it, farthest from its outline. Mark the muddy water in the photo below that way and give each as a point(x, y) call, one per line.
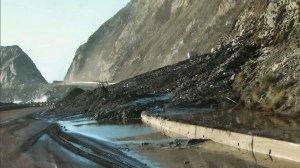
point(211, 155)
point(146, 100)
point(159, 153)
point(127, 136)
point(48, 153)
point(111, 132)
point(265, 124)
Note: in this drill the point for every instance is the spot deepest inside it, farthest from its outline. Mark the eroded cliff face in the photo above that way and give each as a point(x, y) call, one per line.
point(146, 35)
point(18, 70)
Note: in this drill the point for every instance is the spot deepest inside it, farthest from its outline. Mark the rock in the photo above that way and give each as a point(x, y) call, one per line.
point(131, 84)
point(195, 141)
point(145, 143)
point(192, 54)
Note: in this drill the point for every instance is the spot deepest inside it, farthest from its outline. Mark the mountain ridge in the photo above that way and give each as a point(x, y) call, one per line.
point(17, 69)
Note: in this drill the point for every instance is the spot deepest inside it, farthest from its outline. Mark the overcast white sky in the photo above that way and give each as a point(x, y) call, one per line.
point(50, 31)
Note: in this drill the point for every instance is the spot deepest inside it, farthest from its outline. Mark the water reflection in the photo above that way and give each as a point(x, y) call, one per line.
point(107, 131)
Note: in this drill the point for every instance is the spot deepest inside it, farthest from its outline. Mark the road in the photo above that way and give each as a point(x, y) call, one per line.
point(24, 143)
point(7, 116)
point(29, 142)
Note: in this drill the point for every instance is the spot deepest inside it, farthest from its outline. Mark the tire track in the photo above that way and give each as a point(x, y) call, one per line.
point(113, 158)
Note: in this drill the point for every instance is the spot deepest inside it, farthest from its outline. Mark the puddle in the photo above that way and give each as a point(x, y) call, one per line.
point(147, 100)
point(108, 132)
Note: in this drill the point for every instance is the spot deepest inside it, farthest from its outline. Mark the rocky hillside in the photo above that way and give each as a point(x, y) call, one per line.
point(17, 69)
point(255, 65)
point(21, 81)
point(146, 35)
point(270, 82)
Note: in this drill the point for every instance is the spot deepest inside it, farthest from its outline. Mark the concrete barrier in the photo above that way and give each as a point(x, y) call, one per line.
point(271, 147)
point(238, 140)
point(281, 149)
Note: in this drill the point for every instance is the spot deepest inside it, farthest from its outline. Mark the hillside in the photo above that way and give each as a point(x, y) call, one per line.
point(21, 81)
point(17, 69)
point(255, 66)
point(146, 35)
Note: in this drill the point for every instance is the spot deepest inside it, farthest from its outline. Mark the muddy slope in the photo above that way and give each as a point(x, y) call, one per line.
point(256, 66)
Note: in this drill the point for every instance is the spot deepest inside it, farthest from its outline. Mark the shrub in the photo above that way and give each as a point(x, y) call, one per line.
point(238, 81)
point(271, 78)
point(277, 99)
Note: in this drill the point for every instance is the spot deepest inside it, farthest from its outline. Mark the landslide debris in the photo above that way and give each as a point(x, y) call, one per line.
point(256, 65)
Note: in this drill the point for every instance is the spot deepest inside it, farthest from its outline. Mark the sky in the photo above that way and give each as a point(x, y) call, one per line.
point(50, 31)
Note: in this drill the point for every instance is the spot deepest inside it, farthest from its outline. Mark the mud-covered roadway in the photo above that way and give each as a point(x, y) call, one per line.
point(27, 141)
point(30, 142)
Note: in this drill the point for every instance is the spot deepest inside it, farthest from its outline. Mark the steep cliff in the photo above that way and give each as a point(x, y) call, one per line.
point(18, 70)
point(146, 35)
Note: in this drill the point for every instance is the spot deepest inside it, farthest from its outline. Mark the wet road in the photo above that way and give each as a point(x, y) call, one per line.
point(28, 142)
point(7, 116)
point(24, 143)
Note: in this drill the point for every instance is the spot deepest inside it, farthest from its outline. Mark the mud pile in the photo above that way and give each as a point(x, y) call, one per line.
point(256, 65)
